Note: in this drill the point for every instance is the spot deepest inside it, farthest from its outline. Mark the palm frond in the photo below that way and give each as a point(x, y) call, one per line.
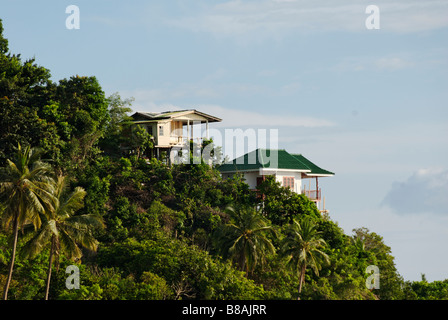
point(302, 246)
point(244, 239)
point(39, 241)
point(69, 246)
point(72, 202)
point(88, 220)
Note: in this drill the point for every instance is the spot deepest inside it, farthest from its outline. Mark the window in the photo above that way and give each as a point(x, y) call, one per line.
point(288, 182)
point(160, 130)
point(149, 129)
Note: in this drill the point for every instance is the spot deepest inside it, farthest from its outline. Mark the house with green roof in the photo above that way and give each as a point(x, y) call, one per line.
point(290, 170)
point(172, 128)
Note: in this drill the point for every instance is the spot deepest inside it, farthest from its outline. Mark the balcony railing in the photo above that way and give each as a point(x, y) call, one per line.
point(312, 194)
point(181, 140)
point(177, 140)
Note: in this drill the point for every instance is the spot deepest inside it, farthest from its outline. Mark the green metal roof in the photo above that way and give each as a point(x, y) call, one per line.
point(273, 159)
point(315, 170)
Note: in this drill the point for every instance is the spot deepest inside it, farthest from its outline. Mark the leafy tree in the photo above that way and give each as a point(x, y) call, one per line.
point(244, 238)
point(3, 41)
point(80, 93)
point(28, 281)
point(95, 179)
point(281, 205)
point(129, 220)
point(210, 153)
point(26, 188)
point(118, 123)
point(65, 119)
point(63, 230)
point(141, 140)
point(302, 246)
point(390, 281)
point(189, 271)
point(83, 109)
point(236, 190)
point(118, 114)
point(424, 290)
point(25, 88)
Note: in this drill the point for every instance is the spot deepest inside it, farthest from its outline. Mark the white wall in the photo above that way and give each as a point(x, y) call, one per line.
point(251, 178)
point(297, 179)
point(165, 139)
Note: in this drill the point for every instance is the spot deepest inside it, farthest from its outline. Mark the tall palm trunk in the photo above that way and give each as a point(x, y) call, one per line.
point(50, 263)
point(302, 279)
point(13, 257)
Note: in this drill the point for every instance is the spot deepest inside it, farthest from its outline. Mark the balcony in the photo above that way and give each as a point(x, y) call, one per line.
point(177, 140)
point(181, 140)
point(314, 195)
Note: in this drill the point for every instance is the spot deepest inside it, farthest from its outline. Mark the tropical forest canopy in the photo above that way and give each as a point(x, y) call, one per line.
point(138, 228)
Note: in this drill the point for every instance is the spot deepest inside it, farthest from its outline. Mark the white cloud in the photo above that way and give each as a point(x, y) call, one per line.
point(393, 63)
point(244, 118)
point(424, 192)
point(267, 73)
point(168, 93)
point(231, 117)
point(206, 88)
point(150, 101)
point(291, 87)
point(413, 15)
point(273, 19)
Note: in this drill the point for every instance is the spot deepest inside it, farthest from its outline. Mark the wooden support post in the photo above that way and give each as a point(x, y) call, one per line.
point(188, 129)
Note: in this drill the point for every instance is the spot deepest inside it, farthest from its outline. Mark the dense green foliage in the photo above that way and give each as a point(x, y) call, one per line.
point(168, 230)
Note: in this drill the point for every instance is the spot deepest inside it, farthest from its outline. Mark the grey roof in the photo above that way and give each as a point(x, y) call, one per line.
point(172, 114)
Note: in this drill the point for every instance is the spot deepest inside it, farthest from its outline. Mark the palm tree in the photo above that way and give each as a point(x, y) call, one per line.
point(25, 189)
point(302, 247)
point(244, 240)
point(63, 230)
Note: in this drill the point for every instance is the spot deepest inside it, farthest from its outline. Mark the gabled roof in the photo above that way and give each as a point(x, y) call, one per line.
point(273, 159)
point(156, 116)
point(264, 158)
point(315, 170)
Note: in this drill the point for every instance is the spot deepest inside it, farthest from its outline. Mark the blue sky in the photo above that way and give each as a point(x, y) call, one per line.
point(370, 105)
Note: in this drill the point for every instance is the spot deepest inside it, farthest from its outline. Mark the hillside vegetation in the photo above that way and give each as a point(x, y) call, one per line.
point(139, 229)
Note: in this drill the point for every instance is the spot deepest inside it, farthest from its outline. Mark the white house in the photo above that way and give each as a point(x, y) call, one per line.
point(290, 170)
point(172, 128)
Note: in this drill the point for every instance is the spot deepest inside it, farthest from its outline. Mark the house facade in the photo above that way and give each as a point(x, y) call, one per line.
point(293, 171)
